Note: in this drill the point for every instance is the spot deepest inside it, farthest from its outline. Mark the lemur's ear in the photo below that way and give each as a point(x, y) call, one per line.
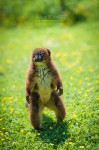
point(49, 52)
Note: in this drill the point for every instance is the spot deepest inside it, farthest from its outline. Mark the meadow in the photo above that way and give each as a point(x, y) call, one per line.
point(75, 52)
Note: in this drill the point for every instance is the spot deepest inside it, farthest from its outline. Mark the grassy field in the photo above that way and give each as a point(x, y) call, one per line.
point(75, 51)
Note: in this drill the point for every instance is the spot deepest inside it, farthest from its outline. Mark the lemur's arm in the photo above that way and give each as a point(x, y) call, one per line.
point(56, 78)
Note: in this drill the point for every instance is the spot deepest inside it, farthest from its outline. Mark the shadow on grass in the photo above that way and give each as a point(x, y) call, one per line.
point(54, 133)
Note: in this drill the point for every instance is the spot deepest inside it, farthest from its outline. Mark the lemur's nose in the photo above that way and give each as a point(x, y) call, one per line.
point(39, 56)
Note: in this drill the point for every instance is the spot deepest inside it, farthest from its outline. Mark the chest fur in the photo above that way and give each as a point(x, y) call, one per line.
point(43, 80)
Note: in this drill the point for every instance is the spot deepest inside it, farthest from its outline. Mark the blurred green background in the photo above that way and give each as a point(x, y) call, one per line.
point(67, 12)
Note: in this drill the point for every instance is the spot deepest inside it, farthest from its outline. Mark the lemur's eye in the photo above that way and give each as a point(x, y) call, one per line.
point(42, 53)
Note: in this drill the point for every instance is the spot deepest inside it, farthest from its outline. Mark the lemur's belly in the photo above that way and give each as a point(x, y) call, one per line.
point(43, 80)
point(44, 93)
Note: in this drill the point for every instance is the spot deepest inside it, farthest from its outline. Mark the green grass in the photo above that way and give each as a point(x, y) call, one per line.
point(75, 51)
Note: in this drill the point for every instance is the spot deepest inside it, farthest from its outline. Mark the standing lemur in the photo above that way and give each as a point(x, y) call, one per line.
point(43, 87)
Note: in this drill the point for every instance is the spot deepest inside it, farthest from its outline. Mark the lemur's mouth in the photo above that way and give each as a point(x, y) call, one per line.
point(38, 57)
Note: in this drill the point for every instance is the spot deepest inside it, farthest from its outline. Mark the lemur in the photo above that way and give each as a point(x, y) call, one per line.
point(43, 87)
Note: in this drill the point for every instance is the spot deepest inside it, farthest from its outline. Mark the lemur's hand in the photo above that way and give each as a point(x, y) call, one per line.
point(60, 90)
point(28, 99)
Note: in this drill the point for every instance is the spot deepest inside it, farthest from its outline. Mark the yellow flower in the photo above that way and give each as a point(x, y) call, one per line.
point(1, 119)
point(80, 81)
point(97, 82)
point(74, 116)
point(97, 76)
point(81, 147)
point(91, 70)
point(6, 132)
point(4, 108)
point(16, 99)
point(10, 102)
point(88, 91)
point(70, 66)
point(38, 134)
point(10, 98)
point(14, 143)
point(2, 139)
point(22, 131)
point(70, 143)
point(3, 128)
point(4, 98)
point(91, 88)
point(86, 78)
point(3, 89)
point(80, 70)
point(52, 144)
point(66, 143)
point(80, 92)
point(8, 62)
point(58, 54)
point(71, 77)
point(63, 133)
point(85, 95)
point(12, 110)
point(50, 127)
point(0, 133)
point(97, 98)
point(29, 133)
point(14, 86)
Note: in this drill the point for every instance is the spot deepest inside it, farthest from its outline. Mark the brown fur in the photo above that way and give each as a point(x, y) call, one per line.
point(38, 98)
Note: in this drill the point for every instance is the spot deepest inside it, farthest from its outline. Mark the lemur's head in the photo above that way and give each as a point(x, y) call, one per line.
point(41, 55)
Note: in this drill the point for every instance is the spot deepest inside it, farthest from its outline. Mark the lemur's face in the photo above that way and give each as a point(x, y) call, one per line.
point(41, 55)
